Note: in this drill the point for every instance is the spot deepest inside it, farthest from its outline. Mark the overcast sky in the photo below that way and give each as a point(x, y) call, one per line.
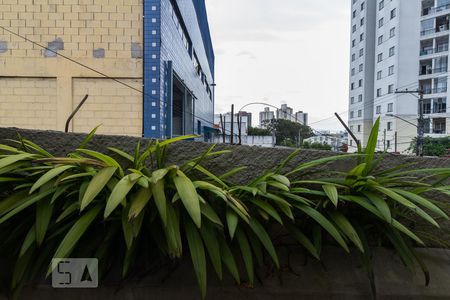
point(282, 51)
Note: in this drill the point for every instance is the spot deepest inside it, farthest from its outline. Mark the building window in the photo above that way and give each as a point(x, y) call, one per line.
point(392, 32)
point(360, 83)
point(378, 109)
point(380, 57)
point(361, 67)
point(353, 28)
point(391, 51)
point(380, 40)
point(381, 5)
point(390, 107)
point(352, 100)
point(353, 57)
point(352, 87)
point(362, 6)
point(391, 89)
point(361, 22)
point(353, 72)
point(354, 14)
point(361, 52)
point(388, 144)
point(393, 13)
point(359, 128)
point(361, 37)
point(380, 22)
point(359, 113)
point(379, 75)
point(379, 92)
point(360, 98)
point(389, 126)
point(352, 115)
point(353, 43)
point(391, 70)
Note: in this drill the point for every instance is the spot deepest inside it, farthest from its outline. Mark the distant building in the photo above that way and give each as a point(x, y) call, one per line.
point(266, 116)
point(335, 140)
point(226, 121)
point(286, 113)
point(302, 118)
point(247, 116)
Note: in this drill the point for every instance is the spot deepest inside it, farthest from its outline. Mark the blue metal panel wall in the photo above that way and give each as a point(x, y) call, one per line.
point(152, 69)
point(164, 53)
point(173, 49)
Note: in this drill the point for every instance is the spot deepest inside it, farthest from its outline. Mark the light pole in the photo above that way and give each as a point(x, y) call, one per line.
point(421, 121)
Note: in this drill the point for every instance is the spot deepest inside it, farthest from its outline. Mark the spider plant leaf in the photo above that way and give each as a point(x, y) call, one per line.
point(210, 214)
point(11, 159)
point(7, 148)
point(127, 229)
point(381, 205)
point(68, 211)
point(189, 197)
point(210, 175)
point(332, 193)
point(278, 185)
point(108, 160)
point(44, 210)
point(297, 198)
point(347, 228)
point(74, 234)
point(264, 237)
point(89, 137)
point(281, 203)
point(121, 154)
point(22, 264)
point(173, 234)
point(159, 195)
point(212, 246)
point(25, 203)
point(228, 260)
point(303, 240)
point(198, 256)
point(120, 193)
point(394, 196)
point(139, 201)
point(96, 185)
point(268, 209)
point(247, 256)
point(400, 227)
point(423, 202)
point(287, 160)
point(232, 222)
point(159, 175)
point(282, 179)
point(330, 228)
point(30, 239)
point(371, 146)
point(231, 173)
point(49, 176)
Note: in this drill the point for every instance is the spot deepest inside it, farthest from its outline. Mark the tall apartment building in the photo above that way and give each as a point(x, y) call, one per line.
point(161, 48)
point(393, 47)
point(266, 116)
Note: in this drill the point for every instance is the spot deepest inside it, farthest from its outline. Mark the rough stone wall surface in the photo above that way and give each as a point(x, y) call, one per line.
point(96, 33)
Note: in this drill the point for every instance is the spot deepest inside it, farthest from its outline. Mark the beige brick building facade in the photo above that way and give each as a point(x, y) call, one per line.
point(39, 89)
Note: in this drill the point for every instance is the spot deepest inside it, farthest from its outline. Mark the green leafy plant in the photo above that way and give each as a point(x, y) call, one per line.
point(136, 211)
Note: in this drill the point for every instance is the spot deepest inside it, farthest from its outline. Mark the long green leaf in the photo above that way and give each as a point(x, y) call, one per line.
point(75, 233)
point(332, 193)
point(371, 146)
point(188, 194)
point(160, 199)
point(97, 184)
point(49, 176)
point(232, 222)
point(212, 245)
point(44, 210)
point(263, 236)
point(422, 201)
point(246, 255)
point(30, 239)
point(120, 193)
point(197, 251)
point(108, 160)
point(347, 228)
point(303, 240)
point(229, 261)
point(139, 201)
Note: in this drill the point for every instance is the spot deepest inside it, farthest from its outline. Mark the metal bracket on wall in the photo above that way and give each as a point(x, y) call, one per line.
point(72, 115)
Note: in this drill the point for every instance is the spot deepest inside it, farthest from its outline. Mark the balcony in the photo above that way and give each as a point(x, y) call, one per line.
point(441, 28)
point(429, 71)
point(439, 90)
point(438, 49)
point(432, 10)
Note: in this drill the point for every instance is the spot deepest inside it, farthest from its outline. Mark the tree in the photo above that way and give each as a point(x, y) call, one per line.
point(288, 133)
point(253, 131)
point(433, 146)
point(317, 146)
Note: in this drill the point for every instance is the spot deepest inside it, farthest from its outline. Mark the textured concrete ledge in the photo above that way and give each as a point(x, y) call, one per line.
point(340, 277)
